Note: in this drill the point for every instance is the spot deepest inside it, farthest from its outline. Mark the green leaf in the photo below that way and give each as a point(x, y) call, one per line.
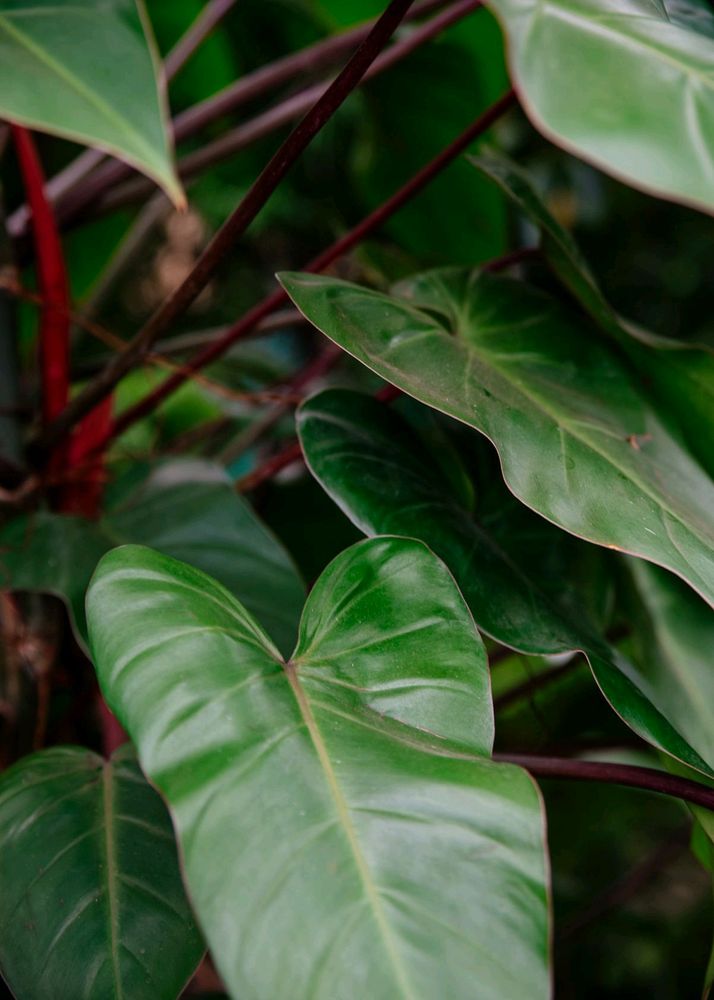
point(91, 899)
point(344, 831)
point(679, 375)
point(577, 439)
point(187, 509)
point(672, 645)
point(621, 84)
point(372, 465)
point(87, 71)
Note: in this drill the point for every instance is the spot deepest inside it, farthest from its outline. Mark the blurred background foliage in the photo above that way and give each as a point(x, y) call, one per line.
point(632, 906)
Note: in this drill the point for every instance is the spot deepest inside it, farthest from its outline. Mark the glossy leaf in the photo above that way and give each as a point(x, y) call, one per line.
point(87, 71)
point(91, 899)
point(577, 439)
point(372, 465)
point(680, 375)
point(622, 84)
point(344, 831)
point(187, 509)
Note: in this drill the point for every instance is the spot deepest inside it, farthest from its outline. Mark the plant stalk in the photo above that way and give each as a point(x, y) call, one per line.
point(259, 193)
point(646, 778)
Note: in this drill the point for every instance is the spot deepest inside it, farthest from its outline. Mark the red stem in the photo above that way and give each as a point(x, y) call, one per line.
point(51, 279)
point(80, 453)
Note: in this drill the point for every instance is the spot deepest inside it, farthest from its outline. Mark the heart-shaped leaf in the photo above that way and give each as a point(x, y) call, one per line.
point(578, 441)
point(188, 509)
point(623, 84)
point(372, 465)
point(91, 899)
point(87, 71)
point(344, 831)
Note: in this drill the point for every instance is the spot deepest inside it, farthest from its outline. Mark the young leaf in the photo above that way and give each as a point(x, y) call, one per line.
point(621, 84)
point(87, 71)
point(344, 831)
point(371, 464)
point(188, 509)
point(577, 439)
point(91, 899)
point(680, 375)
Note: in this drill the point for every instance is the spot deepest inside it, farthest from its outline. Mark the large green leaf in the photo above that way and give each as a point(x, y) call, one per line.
point(680, 375)
point(187, 509)
point(577, 439)
point(87, 71)
point(91, 900)
point(625, 84)
point(344, 831)
point(373, 466)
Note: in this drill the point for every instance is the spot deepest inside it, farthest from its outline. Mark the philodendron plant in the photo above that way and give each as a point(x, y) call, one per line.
point(290, 629)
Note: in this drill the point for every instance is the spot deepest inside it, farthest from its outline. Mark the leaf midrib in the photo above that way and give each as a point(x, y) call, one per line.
point(111, 874)
point(343, 814)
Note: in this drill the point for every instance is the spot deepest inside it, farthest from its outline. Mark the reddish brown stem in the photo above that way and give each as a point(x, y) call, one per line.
point(270, 468)
point(211, 15)
point(259, 193)
point(83, 494)
point(113, 736)
point(645, 778)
